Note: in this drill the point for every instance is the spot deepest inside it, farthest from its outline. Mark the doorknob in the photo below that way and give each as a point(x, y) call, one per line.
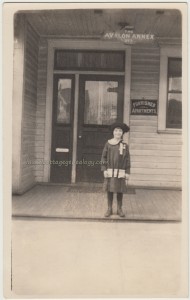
point(80, 136)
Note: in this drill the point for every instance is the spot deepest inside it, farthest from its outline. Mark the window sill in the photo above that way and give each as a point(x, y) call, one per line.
point(170, 131)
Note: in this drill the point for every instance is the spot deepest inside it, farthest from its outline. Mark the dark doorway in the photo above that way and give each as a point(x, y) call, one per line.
point(100, 104)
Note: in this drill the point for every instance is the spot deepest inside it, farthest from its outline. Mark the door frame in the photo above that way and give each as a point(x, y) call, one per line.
point(54, 44)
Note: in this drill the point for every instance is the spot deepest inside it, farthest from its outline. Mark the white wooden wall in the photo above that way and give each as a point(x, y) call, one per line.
point(155, 157)
point(27, 178)
point(41, 108)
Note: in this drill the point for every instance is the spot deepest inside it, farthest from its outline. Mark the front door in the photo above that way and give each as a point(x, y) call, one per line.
point(62, 128)
point(100, 104)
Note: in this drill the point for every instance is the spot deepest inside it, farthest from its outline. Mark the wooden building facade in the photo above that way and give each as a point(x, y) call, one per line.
point(70, 84)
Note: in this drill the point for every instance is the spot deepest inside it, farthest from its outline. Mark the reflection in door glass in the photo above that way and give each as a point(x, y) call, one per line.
point(64, 101)
point(101, 99)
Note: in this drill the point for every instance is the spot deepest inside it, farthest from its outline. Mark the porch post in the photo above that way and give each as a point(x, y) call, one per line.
point(17, 105)
point(127, 90)
point(48, 114)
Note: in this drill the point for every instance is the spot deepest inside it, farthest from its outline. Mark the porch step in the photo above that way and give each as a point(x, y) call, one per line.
point(56, 202)
point(87, 187)
point(78, 184)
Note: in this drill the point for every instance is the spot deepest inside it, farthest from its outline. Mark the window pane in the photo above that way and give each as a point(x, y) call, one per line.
point(101, 99)
point(102, 61)
point(89, 60)
point(174, 67)
point(64, 101)
point(175, 84)
point(174, 103)
point(174, 111)
point(66, 60)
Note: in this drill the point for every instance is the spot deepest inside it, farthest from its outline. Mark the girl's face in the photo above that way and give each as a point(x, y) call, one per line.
point(117, 133)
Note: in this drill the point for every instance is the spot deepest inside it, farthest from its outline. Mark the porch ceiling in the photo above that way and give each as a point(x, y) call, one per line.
point(90, 23)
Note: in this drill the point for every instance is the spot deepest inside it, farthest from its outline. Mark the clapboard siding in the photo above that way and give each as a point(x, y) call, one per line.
point(139, 134)
point(142, 123)
point(146, 128)
point(145, 64)
point(155, 177)
point(159, 153)
point(41, 109)
point(161, 141)
point(155, 165)
point(156, 171)
point(155, 158)
point(29, 108)
point(39, 155)
point(157, 184)
point(160, 147)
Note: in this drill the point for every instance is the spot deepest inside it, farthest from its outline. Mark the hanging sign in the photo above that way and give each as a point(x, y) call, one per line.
point(144, 107)
point(129, 37)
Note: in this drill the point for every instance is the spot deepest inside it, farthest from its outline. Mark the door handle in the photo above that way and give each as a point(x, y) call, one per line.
point(80, 136)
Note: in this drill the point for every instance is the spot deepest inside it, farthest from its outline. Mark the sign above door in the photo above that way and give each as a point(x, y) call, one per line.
point(127, 35)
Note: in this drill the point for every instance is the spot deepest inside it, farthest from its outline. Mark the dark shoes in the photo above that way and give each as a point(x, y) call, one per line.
point(108, 213)
point(120, 212)
point(119, 207)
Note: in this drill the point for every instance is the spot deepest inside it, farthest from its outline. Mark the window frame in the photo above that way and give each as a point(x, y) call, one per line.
point(165, 54)
point(80, 52)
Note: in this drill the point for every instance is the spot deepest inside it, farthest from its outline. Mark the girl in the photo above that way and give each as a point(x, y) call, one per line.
point(115, 164)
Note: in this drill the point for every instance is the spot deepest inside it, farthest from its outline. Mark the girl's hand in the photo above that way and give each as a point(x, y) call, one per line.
point(126, 176)
point(105, 174)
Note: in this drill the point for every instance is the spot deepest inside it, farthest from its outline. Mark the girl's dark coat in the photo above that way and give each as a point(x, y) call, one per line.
point(112, 159)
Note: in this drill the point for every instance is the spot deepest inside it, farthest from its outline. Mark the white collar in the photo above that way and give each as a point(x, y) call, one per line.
point(113, 142)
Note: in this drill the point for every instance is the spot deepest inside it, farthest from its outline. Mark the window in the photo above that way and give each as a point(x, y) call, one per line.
point(174, 99)
point(89, 60)
point(170, 90)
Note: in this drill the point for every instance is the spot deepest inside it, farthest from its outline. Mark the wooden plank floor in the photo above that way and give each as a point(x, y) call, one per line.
point(56, 202)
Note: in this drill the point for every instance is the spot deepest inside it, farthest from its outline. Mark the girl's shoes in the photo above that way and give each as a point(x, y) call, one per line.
point(120, 212)
point(108, 213)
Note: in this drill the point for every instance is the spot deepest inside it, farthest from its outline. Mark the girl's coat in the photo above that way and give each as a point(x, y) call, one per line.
point(116, 161)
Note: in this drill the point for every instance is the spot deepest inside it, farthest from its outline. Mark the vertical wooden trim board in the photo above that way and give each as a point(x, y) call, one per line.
point(28, 130)
point(48, 115)
point(75, 129)
point(127, 90)
point(18, 91)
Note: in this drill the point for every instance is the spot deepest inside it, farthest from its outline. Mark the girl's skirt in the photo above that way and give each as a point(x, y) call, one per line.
point(115, 185)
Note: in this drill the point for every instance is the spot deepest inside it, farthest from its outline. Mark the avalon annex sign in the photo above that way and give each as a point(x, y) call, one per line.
point(129, 37)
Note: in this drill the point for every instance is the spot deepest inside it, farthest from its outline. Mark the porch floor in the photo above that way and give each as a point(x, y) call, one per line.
point(57, 201)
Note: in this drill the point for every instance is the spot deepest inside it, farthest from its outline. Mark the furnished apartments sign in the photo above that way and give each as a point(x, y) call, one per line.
point(144, 107)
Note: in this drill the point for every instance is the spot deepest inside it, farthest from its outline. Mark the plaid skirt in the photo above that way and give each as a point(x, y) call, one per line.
point(115, 185)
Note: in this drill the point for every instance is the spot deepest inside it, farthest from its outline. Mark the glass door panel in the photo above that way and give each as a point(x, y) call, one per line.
point(64, 101)
point(101, 98)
